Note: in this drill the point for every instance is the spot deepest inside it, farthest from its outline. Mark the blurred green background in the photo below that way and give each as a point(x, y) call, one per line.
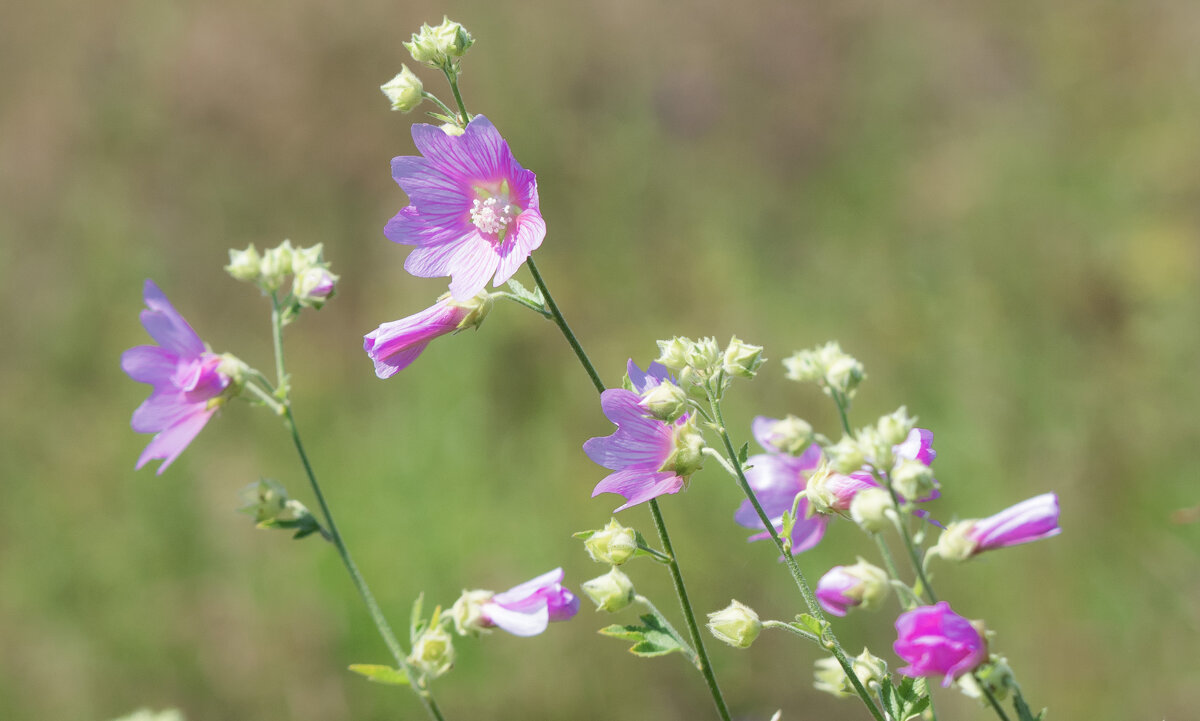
point(995, 206)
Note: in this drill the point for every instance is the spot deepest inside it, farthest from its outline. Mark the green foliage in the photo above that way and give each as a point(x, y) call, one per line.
point(381, 674)
point(906, 701)
point(650, 639)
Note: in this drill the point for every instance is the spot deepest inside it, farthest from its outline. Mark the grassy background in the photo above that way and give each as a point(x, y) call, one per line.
point(994, 206)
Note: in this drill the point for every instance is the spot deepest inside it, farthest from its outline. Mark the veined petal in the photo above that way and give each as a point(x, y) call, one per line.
point(529, 591)
point(149, 364)
point(638, 486)
point(639, 442)
point(172, 441)
point(471, 267)
point(163, 410)
point(528, 231)
point(166, 326)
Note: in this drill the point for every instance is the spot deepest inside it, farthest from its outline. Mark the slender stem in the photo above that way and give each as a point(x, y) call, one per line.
point(688, 650)
point(389, 638)
point(659, 524)
point(992, 700)
point(842, 405)
point(791, 628)
point(539, 309)
point(806, 591)
point(452, 78)
point(902, 528)
point(437, 101)
point(277, 337)
point(562, 325)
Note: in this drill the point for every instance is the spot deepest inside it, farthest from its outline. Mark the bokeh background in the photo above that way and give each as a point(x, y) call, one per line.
point(996, 207)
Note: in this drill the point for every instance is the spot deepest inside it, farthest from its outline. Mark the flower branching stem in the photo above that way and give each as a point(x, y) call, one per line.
point(389, 638)
point(660, 525)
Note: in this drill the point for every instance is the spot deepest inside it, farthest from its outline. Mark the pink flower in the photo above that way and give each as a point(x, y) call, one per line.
point(650, 457)
point(184, 375)
point(1029, 520)
point(936, 641)
point(527, 609)
point(393, 346)
point(474, 209)
point(776, 478)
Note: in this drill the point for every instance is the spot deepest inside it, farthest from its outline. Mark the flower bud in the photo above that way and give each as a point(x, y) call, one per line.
point(877, 451)
point(674, 353)
point(895, 427)
point(305, 258)
point(404, 90)
point(314, 286)
point(433, 651)
point(688, 456)
point(870, 669)
point(276, 265)
point(830, 492)
point(611, 592)
point(912, 479)
point(791, 435)
point(614, 544)
point(846, 455)
point(478, 307)
point(235, 370)
point(452, 129)
point(665, 402)
point(436, 47)
point(845, 587)
point(265, 499)
point(831, 678)
point(467, 613)
point(871, 509)
point(245, 265)
point(705, 356)
point(844, 375)
point(742, 359)
point(736, 625)
point(955, 543)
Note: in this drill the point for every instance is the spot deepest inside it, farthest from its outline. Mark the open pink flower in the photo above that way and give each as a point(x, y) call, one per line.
point(650, 457)
point(393, 346)
point(184, 376)
point(936, 641)
point(473, 210)
point(527, 609)
point(776, 479)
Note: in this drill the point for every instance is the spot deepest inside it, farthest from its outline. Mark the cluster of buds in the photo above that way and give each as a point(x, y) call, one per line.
point(702, 366)
point(831, 677)
point(440, 47)
point(829, 367)
point(614, 545)
point(737, 624)
point(312, 282)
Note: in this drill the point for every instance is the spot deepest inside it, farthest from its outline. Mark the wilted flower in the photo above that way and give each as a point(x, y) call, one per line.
point(650, 457)
point(846, 587)
point(188, 385)
point(737, 625)
point(1029, 520)
point(393, 346)
point(936, 641)
point(473, 210)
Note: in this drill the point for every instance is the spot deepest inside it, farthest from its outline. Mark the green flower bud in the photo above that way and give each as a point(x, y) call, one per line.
point(467, 613)
point(665, 402)
point(611, 592)
point(791, 435)
point(245, 265)
point(870, 669)
point(674, 353)
point(479, 306)
point(736, 625)
point(873, 588)
point(894, 428)
point(614, 544)
point(276, 265)
point(313, 287)
point(705, 356)
point(688, 456)
point(804, 367)
point(235, 369)
point(846, 455)
point(265, 499)
point(436, 47)
point(844, 375)
point(831, 679)
point(912, 479)
point(452, 129)
point(433, 651)
point(404, 90)
point(305, 258)
point(871, 509)
point(877, 451)
point(742, 359)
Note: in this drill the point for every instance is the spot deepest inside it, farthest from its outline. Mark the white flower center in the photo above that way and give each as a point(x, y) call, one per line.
point(492, 216)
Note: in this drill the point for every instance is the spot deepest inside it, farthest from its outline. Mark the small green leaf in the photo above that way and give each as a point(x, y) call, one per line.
point(415, 623)
point(743, 453)
point(583, 535)
point(533, 296)
point(380, 674)
point(652, 639)
point(812, 624)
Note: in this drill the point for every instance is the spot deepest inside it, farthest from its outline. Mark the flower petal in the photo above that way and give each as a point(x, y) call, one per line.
point(168, 444)
point(166, 326)
point(149, 364)
point(518, 623)
point(638, 486)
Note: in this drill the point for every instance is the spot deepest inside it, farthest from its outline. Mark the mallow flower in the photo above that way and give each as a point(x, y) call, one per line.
point(473, 212)
point(1029, 520)
point(936, 641)
point(187, 381)
point(523, 610)
point(393, 346)
point(649, 457)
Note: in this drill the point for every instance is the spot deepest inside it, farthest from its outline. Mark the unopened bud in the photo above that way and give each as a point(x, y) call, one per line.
point(742, 359)
point(791, 435)
point(265, 499)
point(956, 543)
point(705, 356)
point(737, 625)
point(245, 265)
point(870, 669)
point(404, 90)
point(478, 307)
point(894, 427)
point(436, 46)
point(614, 544)
point(846, 455)
point(314, 286)
point(674, 353)
point(688, 456)
point(665, 402)
point(877, 450)
point(912, 479)
point(433, 651)
point(831, 678)
point(305, 258)
point(467, 613)
point(276, 265)
point(611, 592)
point(870, 509)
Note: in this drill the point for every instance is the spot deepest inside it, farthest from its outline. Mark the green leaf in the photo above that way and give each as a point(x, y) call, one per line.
point(812, 624)
point(533, 296)
point(381, 674)
point(652, 639)
point(415, 623)
point(1023, 711)
point(743, 453)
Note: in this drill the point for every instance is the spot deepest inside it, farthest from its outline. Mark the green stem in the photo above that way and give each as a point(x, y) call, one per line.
point(660, 525)
point(452, 78)
point(991, 699)
point(806, 591)
point(842, 406)
point(438, 101)
point(791, 628)
point(541, 310)
point(389, 638)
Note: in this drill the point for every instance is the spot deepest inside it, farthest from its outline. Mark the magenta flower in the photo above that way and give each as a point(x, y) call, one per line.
point(473, 210)
point(936, 641)
point(650, 457)
point(776, 479)
point(527, 609)
point(393, 346)
point(1029, 520)
point(184, 375)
